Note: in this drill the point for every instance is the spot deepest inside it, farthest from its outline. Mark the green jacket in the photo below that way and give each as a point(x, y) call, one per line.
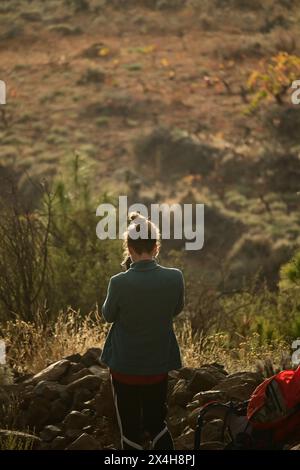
point(142, 303)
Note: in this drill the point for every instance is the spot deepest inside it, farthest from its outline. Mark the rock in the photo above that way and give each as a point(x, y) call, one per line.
point(91, 357)
point(75, 376)
point(174, 374)
point(176, 420)
point(49, 390)
point(75, 367)
point(59, 443)
point(38, 413)
point(176, 425)
point(185, 441)
point(99, 372)
point(186, 373)
point(89, 382)
point(204, 379)
point(26, 398)
point(216, 365)
point(90, 404)
point(80, 397)
point(76, 420)
point(52, 373)
point(202, 398)
point(212, 430)
point(241, 392)
point(103, 407)
point(297, 447)
point(44, 446)
point(72, 434)
point(239, 386)
point(49, 433)
point(84, 442)
point(88, 429)
point(103, 402)
point(212, 445)
point(74, 358)
point(59, 409)
point(181, 395)
point(192, 405)
point(193, 417)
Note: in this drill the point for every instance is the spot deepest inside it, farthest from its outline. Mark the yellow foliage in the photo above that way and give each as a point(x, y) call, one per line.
point(275, 78)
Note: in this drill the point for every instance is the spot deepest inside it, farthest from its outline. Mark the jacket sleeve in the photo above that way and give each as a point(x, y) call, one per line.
point(110, 308)
point(181, 295)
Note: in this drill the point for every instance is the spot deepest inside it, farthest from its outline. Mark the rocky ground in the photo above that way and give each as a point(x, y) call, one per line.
point(69, 404)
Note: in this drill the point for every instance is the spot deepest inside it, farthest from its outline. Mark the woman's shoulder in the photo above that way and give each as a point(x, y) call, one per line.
point(117, 278)
point(172, 272)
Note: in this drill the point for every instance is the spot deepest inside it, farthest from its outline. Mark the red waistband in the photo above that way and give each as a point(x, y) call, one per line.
point(137, 379)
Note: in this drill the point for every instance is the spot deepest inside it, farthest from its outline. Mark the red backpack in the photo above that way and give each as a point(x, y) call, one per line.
point(275, 406)
point(269, 420)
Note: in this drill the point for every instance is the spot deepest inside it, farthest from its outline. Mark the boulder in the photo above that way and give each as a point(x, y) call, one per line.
point(99, 372)
point(52, 373)
point(202, 398)
point(58, 410)
point(49, 433)
point(186, 440)
point(296, 447)
point(176, 420)
point(76, 358)
point(38, 413)
point(59, 443)
point(80, 397)
point(84, 442)
point(186, 373)
point(72, 377)
point(204, 379)
point(91, 357)
point(76, 420)
point(89, 382)
point(181, 395)
point(212, 431)
point(48, 390)
point(193, 417)
point(239, 386)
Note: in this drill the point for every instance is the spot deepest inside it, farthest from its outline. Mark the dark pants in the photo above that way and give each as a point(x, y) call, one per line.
point(140, 409)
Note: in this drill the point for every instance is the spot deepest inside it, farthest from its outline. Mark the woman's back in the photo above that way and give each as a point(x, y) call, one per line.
point(142, 303)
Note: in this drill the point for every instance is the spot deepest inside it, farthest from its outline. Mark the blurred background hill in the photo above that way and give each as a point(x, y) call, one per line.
point(166, 101)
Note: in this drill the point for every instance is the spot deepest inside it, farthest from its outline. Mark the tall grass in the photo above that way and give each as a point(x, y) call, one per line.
point(33, 345)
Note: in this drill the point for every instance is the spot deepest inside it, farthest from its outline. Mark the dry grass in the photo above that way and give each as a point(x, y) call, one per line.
point(32, 346)
point(247, 353)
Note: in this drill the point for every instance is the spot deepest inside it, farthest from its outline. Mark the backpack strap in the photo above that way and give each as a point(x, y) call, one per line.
point(200, 422)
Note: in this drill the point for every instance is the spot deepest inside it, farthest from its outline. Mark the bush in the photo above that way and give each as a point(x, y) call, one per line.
point(80, 263)
point(92, 75)
point(24, 238)
point(51, 258)
point(290, 272)
point(65, 29)
point(164, 148)
point(274, 81)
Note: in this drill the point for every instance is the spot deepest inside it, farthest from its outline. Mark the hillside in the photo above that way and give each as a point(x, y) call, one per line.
point(137, 88)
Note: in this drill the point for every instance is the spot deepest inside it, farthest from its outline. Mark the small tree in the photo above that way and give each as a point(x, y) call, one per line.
point(24, 238)
point(290, 272)
point(274, 80)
